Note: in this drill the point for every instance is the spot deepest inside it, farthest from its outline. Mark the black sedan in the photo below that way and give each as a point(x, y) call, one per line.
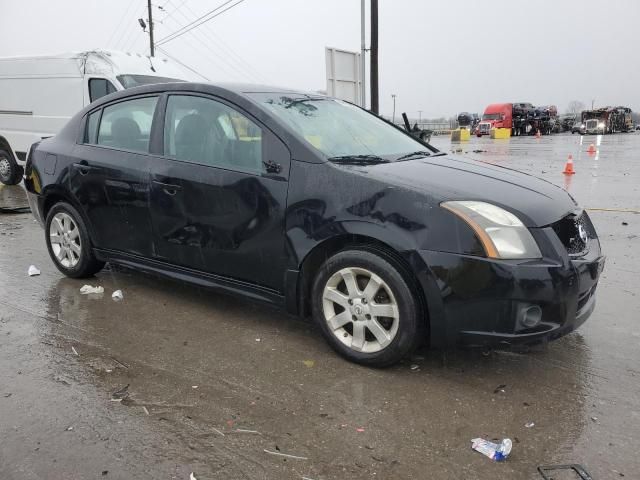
point(320, 207)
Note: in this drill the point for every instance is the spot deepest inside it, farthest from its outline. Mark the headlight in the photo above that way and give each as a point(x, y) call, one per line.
point(601, 125)
point(501, 233)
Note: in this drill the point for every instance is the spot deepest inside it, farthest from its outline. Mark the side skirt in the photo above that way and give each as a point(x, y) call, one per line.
point(214, 282)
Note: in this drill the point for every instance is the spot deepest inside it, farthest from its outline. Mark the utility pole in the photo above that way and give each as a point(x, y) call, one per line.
point(393, 120)
point(374, 57)
point(592, 102)
point(151, 45)
point(419, 117)
point(363, 53)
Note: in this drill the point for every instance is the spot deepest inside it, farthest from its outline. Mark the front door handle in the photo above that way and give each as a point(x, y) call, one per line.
point(168, 188)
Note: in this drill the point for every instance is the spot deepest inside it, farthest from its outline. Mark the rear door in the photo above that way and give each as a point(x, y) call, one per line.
point(218, 193)
point(110, 175)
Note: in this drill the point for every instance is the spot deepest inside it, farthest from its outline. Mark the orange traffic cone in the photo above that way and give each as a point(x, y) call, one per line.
point(568, 167)
point(538, 134)
point(591, 149)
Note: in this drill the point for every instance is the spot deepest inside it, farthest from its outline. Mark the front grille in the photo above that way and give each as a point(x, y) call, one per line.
point(569, 231)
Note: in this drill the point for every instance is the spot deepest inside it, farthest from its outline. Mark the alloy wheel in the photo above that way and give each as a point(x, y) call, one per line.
point(64, 236)
point(5, 167)
point(360, 310)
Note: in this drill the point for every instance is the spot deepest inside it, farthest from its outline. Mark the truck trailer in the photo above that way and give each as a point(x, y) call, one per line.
point(39, 94)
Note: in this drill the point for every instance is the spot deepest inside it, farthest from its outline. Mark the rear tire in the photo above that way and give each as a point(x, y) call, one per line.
point(10, 172)
point(68, 242)
point(366, 309)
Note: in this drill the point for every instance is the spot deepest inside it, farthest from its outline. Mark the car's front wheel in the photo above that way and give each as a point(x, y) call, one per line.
point(10, 171)
point(366, 308)
point(68, 242)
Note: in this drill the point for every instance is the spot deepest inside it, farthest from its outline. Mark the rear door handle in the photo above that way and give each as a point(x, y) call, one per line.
point(168, 188)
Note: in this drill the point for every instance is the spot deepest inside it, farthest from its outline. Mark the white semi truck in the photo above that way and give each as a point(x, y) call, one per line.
point(39, 94)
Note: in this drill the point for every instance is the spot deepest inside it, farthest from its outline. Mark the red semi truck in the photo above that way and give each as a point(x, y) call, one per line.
point(521, 118)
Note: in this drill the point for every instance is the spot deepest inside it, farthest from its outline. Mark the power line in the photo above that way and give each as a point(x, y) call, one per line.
point(238, 66)
point(193, 25)
point(122, 21)
point(183, 64)
point(195, 21)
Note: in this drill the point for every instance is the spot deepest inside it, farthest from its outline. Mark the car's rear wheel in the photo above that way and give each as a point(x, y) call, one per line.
point(10, 171)
point(366, 309)
point(68, 242)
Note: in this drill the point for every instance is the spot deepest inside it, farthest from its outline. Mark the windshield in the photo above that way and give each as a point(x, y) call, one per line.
point(492, 116)
point(339, 129)
point(130, 81)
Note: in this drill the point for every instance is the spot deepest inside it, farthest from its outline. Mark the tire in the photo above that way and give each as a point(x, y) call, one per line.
point(75, 262)
point(396, 335)
point(10, 172)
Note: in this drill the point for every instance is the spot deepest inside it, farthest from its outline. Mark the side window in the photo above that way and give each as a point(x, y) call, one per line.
point(127, 124)
point(202, 130)
point(91, 134)
point(99, 87)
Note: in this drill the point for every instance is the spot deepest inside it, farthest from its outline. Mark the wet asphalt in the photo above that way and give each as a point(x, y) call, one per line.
point(215, 382)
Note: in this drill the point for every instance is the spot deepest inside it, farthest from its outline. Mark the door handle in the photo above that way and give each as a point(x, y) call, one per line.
point(168, 188)
point(83, 168)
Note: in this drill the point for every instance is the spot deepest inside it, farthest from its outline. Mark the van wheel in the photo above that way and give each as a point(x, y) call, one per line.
point(10, 171)
point(366, 309)
point(68, 242)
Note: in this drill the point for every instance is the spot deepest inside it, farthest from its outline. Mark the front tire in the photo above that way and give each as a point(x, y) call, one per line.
point(366, 309)
point(68, 242)
point(10, 171)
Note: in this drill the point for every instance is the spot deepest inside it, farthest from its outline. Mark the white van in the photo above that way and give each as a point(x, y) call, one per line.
point(39, 94)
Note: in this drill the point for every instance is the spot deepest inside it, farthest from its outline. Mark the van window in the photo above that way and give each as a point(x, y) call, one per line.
point(99, 87)
point(202, 130)
point(127, 125)
point(92, 127)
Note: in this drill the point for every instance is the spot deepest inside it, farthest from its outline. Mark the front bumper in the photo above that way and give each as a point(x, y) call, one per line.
point(479, 301)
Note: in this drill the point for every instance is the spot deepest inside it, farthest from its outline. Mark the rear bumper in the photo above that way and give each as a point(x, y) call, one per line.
point(479, 302)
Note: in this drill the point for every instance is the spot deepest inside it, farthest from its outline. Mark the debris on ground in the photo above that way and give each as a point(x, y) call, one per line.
point(33, 271)
point(500, 388)
point(529, 424)
point(145, 410)
point(192, 477)
point(285, 455)
point(309, 363)
point(217, 431)
point(244, 430)
point(359, 429)
point(88, 289)
point(495, 451)
point(258, 339)
point(548, 471)
point(69, 428)
point(415, 367)
point(75, 352)
point(194, 387)
point(594, 419)
point(117, 296)
point(625, 223)
point(121, 394)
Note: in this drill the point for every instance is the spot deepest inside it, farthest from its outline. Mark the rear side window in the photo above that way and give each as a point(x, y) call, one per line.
point(99, 87)
point(92, 127)
point(127, 125)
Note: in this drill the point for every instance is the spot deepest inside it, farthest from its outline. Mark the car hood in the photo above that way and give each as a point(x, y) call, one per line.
point(535, 201)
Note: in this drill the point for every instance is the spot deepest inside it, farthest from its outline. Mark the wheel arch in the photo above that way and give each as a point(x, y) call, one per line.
point(329, 247)
point(55, 194)
point(4, 145)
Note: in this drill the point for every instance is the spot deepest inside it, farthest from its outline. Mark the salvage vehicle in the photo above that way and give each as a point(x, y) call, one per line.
point(320, 207)
point(578, 128)
point(38, 95)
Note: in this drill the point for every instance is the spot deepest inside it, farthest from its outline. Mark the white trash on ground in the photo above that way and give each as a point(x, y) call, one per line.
point(88, 289)
point(117, 295)
point(495, 451)
point(33, 271)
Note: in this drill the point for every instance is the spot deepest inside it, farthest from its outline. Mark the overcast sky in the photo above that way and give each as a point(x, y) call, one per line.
point(439, 57)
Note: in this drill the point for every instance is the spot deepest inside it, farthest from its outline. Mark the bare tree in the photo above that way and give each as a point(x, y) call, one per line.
point(575, 107)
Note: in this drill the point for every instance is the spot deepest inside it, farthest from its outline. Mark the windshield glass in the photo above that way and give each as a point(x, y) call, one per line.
point(130, 81)
point(339, 129)
point(492, 116)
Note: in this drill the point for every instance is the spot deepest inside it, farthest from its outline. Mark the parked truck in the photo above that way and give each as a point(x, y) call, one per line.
point(607, 120)
point(38, 95)
point(521, 118)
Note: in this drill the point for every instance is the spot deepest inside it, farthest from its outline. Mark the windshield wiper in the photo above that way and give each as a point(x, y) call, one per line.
point(421, 153)
point(359, 159)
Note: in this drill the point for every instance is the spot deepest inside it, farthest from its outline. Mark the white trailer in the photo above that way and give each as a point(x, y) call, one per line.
point(38, 95)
